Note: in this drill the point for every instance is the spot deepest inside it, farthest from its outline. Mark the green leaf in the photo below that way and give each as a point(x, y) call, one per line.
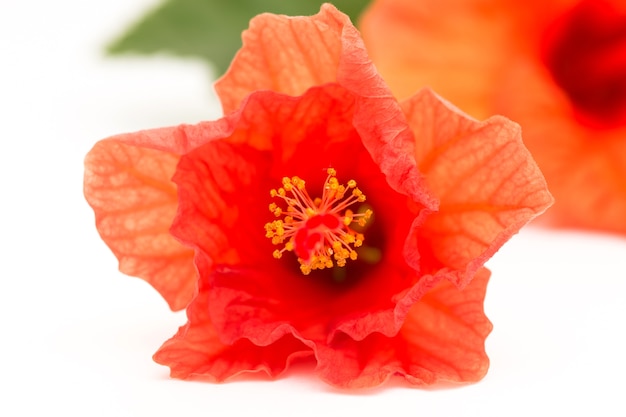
point(210, 29)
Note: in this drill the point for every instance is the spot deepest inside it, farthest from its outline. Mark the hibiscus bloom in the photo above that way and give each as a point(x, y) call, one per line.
point(557, 67)
point(319, 219)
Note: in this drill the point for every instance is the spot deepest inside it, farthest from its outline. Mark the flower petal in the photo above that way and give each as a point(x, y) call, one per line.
point(486, 181)
point(128, 185)
point(223, 198)
point(273, 300)
point(442, 340)
point(292, 54)
point(284, 54)
point(196, 350)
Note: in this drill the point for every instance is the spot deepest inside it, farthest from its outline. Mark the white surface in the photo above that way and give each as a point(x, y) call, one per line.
point(77, 337)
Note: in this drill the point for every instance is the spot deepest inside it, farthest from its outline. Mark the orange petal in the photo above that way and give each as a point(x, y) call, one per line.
point(284, 54)
point(486, 181)
point(222, 203)
point(196, 350)
point(127, 183)
point(442, 340)
point(290, 55)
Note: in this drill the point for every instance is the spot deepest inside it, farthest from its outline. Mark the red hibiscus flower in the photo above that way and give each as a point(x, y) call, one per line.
point(557, 67)
point(325, 219)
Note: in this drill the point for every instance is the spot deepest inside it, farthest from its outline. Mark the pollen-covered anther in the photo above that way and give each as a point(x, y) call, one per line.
point(317, 229)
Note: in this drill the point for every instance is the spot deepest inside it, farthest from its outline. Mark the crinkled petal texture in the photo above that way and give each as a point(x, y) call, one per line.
point(442, 339)
point(308, 46)
point(416, 309)
point(128, 185)
point(556, 67)
point(291, 54)
point(487, 184)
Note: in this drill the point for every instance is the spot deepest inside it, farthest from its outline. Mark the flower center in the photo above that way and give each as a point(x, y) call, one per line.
point(585, 51)
point(317, 230)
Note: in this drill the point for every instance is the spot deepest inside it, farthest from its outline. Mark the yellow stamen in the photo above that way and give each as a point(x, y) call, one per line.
point(317, 230)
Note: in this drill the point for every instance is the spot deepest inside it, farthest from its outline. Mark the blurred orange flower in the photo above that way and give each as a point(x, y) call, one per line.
point(558, 67)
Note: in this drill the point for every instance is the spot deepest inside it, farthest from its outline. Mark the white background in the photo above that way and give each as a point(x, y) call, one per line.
point(76, 336)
